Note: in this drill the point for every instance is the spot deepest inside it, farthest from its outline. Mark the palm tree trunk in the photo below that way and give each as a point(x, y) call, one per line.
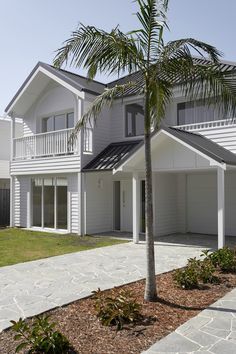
point(150, 289)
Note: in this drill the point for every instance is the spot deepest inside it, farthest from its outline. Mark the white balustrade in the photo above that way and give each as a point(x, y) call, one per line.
point(88, 140)
point(208, 125)
point(49, 144)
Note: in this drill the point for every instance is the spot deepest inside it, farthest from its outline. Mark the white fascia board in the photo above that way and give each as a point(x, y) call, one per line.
point(53, 77)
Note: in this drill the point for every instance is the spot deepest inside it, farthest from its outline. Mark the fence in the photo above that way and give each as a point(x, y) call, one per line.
point(4, 207)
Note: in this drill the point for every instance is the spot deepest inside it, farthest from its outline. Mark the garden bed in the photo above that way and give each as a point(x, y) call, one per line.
point(175, 306)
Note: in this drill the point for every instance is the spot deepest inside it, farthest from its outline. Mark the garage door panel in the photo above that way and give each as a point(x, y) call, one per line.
point(202, 203)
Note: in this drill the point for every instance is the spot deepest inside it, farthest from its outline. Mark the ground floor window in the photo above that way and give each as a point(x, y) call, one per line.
point(49, 203)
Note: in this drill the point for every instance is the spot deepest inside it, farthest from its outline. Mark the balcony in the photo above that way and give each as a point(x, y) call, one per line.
point(44, 145)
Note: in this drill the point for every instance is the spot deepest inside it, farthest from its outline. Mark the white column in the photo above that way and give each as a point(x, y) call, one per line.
point(12, 201)
point(221, 206)
point(13, 130)
point(136, 208)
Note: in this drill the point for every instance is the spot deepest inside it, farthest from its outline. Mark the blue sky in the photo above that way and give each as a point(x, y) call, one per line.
point(30, 30)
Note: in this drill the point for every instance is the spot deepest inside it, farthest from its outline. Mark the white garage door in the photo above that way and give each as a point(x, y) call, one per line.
point(202, 203)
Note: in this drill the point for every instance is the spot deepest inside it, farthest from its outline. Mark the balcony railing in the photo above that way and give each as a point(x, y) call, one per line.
point(43, 145)
point(208, 125)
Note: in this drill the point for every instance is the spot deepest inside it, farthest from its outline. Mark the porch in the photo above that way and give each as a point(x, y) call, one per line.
point(194, 188)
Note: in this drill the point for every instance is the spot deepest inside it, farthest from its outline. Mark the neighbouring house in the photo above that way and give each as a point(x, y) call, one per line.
point(5, 148)
point(96, 184)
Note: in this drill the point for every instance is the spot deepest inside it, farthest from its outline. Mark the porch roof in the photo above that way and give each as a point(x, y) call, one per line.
point(113, 155)
point(194, 141)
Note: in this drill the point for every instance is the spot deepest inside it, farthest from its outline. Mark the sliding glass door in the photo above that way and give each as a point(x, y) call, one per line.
point(49, 202)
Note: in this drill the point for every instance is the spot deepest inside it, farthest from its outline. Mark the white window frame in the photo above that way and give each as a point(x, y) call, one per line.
point(128, 103)
point(65, 113)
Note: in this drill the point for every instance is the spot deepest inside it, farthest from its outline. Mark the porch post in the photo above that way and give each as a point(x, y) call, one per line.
point(221, 206)
point(136, 208)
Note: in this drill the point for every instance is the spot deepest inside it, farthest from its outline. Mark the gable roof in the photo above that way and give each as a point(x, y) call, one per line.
point(76, 81)
point(112, 156)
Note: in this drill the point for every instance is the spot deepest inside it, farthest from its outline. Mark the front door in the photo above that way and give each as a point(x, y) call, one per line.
point(126, 206)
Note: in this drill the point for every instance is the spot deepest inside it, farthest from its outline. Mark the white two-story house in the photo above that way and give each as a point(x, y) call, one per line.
point(96, 184)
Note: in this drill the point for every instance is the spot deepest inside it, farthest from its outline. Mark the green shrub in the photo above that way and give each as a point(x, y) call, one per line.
point(195, 272)
point(206, 271)
point(188, 278)
point(117, 309)
point(225, 259)
point(40, 338)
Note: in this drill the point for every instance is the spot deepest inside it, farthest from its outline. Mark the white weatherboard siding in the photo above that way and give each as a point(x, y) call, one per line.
point(224, 136)
point(73, 202)
point(101, 131)
point(202, 203)
point(60, 164)
point(165, 211)
point(99, 202)
point(17, 203)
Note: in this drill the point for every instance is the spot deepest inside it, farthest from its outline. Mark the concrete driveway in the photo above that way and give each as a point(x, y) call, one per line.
point(31, 288)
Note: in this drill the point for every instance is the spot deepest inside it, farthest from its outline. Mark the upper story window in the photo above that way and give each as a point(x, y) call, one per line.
point(134, 120)
point(194, 112)
point(58, 122)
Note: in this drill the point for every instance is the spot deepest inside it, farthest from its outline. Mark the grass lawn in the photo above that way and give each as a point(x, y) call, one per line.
point(18, 245)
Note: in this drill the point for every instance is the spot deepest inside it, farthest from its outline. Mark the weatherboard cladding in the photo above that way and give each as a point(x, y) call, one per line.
point(112, 156)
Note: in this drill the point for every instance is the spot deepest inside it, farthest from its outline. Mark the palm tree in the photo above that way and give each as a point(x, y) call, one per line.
point(161, 67)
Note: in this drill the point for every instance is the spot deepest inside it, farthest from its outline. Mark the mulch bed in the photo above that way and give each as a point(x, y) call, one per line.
point(175, 306)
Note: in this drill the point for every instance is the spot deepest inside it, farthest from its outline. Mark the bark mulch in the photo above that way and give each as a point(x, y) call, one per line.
point(175, 306)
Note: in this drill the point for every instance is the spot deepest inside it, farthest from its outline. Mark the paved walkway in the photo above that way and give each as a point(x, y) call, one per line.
point(212, 331)
point(31, 288)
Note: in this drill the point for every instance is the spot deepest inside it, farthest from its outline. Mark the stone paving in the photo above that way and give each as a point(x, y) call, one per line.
point(212, 331)
point(31, 288)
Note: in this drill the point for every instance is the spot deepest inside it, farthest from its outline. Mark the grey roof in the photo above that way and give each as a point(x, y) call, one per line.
point(112, 156)
point(204, 145)
point(137, 77)
point(79, 82)
point(82, 83)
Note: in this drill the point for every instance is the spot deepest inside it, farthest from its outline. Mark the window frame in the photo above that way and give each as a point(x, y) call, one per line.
point(66, 114)
point(133, 120)
point(194, 105)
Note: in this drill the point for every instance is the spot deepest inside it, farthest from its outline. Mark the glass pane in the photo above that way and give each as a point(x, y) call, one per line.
point(47, 124)
point(139, 121)
point(60, 122)
point(48, 210)
point(61, 203)
point(185, 112)
point(134, 120)
point(37, 202)
point(70, 120)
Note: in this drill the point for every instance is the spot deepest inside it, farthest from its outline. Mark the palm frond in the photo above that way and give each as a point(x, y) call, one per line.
point(152, 17)
point(97, 50)
point(103, 100)
point(175, 49)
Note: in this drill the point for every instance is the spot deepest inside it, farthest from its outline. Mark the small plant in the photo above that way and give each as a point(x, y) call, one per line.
point(188, 278)
point(225, 259)
point(206, 272)
point(40, 338)
point(116, 309)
